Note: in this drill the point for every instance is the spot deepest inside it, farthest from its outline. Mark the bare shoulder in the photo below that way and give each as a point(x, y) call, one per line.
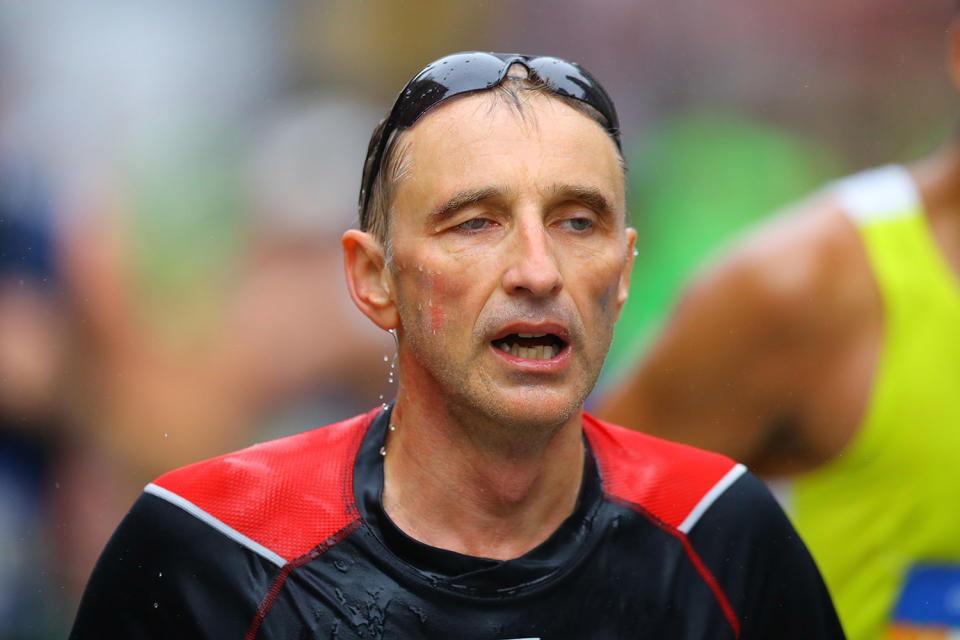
point(792, 285)
point(794, 276)
point(739, 366)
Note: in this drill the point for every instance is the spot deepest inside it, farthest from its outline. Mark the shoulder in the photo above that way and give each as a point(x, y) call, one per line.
point(733, 531)
point(754, 321)
point(753, 337)
point(759, 562)
point(673, 482)
point(167, 574)
point(763, 284)
point(286, 495)
point(748, 546)
point(677, 483)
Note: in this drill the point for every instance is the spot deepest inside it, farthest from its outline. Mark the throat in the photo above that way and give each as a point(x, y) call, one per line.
point(477, 504)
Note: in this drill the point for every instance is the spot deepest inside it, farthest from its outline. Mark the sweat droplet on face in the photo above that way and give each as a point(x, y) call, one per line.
point(393, 363)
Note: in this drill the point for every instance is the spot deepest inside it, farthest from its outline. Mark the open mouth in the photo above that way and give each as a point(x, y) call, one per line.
point(535, 346)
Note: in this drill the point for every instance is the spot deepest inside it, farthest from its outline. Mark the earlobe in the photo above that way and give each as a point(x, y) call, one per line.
point(368, 278)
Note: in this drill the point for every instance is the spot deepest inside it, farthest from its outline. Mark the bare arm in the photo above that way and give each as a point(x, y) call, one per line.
point(747, 362)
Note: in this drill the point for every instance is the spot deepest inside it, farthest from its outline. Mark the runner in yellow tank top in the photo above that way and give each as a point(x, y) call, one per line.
point(889, 500)
point(825, 349)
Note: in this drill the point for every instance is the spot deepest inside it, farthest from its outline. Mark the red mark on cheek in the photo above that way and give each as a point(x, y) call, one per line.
point(437, 316)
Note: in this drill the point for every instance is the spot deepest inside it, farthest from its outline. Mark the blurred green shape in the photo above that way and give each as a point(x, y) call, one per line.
point(696, 182)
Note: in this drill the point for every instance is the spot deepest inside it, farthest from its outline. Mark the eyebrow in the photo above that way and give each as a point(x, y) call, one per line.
point(460, 200)
point(590, 196)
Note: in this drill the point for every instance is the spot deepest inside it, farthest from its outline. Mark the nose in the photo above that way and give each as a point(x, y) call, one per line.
point(532, 267)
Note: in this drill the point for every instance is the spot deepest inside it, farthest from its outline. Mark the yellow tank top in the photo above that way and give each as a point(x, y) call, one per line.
point(888, 508)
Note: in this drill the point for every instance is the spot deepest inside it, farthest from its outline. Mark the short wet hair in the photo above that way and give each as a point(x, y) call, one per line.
point(519, 83)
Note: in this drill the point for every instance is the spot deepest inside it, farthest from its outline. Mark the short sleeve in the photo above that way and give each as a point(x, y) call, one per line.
point(166, 574)
point(763, 567)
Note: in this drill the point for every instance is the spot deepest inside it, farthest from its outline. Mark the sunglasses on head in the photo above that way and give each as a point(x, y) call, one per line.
point(461, 73)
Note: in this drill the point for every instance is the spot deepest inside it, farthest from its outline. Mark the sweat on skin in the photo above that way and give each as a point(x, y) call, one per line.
point(507, 228)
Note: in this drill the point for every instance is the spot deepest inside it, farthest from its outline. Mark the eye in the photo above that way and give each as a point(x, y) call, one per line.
point(474, 224)
point(578, 224)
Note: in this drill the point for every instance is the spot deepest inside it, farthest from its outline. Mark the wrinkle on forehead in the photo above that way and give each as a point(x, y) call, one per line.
point(487, 104)
point(449, 120)
point(461, 149)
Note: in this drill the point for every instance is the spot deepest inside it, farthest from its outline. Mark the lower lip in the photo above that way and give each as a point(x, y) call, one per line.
point(546, 365)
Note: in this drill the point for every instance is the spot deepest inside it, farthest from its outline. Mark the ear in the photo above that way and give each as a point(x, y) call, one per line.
point(368, 278)
point(623, 288)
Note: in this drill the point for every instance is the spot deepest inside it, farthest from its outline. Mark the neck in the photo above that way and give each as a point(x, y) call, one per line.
point(477, 488)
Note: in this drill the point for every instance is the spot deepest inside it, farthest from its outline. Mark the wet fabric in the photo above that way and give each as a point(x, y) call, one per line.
point(289, 539)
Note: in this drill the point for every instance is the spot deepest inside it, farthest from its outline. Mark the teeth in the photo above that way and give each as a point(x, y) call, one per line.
point(539, 352)
point(531, 335)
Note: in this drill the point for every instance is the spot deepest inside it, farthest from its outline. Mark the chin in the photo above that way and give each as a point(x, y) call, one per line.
point(533, 410)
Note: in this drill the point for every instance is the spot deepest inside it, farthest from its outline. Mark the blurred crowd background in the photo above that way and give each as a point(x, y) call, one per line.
point(175, 176)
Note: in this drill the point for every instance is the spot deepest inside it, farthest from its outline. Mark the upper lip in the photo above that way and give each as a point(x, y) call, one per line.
point(532, 327)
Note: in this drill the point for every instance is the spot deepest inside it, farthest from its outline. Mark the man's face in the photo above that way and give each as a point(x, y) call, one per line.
point(510, 258)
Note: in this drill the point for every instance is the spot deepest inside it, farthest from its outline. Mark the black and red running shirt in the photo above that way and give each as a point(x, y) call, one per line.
point(288, 539)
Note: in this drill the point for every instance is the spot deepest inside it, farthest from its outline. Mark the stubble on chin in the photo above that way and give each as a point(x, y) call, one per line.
point(500, 406)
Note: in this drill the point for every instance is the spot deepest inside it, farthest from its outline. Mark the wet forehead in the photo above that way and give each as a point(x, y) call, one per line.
point(481, 140)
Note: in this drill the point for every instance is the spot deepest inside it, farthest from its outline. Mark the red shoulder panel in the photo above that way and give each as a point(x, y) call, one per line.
point(665, 478)
point(289, 495)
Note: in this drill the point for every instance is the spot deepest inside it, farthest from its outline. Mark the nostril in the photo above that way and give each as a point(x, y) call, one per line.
point(537, 277)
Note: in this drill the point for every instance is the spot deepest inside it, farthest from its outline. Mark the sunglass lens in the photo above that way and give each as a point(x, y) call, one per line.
point(568, 79)
point(457, 73)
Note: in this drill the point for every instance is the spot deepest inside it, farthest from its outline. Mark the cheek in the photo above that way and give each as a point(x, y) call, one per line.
point(445, 289)
point(436, 289)
point(604, 296)
point(428, 303)
point(608, 303)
